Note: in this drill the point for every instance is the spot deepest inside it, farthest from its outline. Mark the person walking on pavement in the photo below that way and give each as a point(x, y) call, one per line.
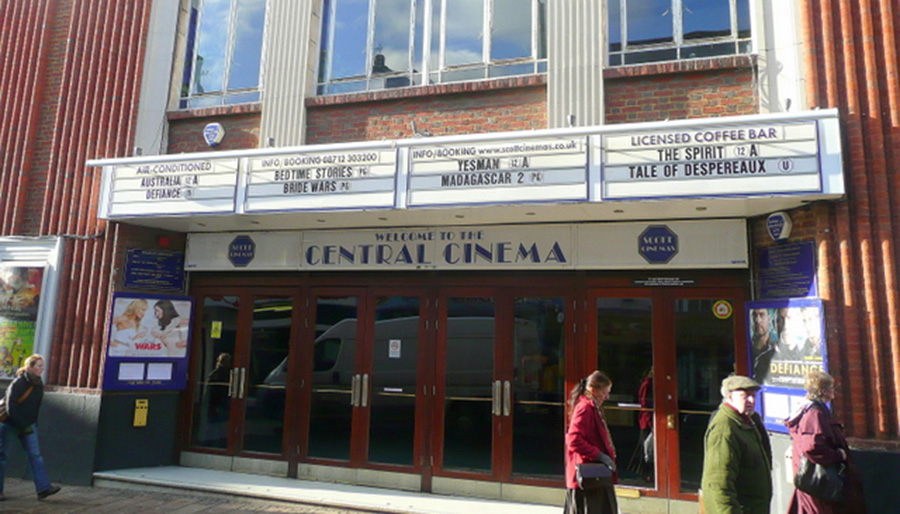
point(737, 464)
point(588, 440)
point(23, 401)
point(816, 435)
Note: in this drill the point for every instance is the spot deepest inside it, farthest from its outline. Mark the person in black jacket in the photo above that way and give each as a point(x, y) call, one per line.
point(23, 401)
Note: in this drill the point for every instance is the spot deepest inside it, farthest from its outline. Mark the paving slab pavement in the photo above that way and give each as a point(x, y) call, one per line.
point(21, 498)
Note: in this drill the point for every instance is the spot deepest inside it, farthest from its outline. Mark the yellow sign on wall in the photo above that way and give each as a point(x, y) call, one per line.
point(141, 407)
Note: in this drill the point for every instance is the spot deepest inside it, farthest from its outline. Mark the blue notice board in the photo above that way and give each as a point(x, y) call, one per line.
point(788, 271)
point(157, 270)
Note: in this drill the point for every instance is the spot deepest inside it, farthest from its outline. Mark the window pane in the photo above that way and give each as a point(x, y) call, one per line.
point(212, 372)
point(267, 374)
point(392, 422)
point(464, 32)
point(209, 74)
point(324, 39)
point(511, 37)
point(704, 349)
point(248, 38)
point(542, 29)
point(331, 414)
point(538, 389)
point(463, 75)
point(625, 353)
point(391, 36)
point(743, 16)
point(242, 98)
point(695, 52)
point(706, 18)
point(435, 38)
point(649, 22)
point(350, 32)
point(419, 46)
point(614, 24)
point(469, 370)
point(511, 70)
point(189, 51)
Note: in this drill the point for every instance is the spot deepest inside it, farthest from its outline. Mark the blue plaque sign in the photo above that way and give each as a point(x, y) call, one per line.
point(241, 251)
point(154, 269)
point(657, 244)
point(788, 271)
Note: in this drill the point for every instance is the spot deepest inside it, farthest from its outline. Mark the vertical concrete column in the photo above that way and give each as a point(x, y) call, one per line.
point(291, 59)
point(576, 54)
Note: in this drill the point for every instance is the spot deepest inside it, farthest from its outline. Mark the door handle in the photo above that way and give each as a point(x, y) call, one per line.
point(242, 391)
point(495, 399)
point(365, 390)
point(506, 397)
point(353, 391)
point(231, 382)
point(353, 384)
point(670, 421)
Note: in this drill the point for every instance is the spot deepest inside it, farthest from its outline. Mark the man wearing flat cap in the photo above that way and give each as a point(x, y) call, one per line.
point(737, 464)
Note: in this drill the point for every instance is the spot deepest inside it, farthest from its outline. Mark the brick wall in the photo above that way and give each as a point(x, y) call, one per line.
point(726, 92)
point(474, 110)
point(241, 123)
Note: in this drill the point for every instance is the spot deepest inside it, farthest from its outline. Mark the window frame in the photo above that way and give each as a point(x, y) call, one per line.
point(741, 45)
point(195, 100)
point(424, 72)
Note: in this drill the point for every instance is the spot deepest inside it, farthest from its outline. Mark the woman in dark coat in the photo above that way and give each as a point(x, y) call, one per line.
point(23, 401)
point(818, 436)
point(588, 440)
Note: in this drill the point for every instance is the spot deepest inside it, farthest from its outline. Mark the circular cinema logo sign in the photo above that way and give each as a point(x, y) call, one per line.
point(241, 251)
point(657, 244)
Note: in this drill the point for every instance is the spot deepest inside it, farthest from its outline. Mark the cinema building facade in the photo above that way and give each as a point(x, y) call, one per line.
point(397, 233)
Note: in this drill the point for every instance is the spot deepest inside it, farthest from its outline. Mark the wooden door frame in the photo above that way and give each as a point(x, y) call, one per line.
point(575, 287)
point(665, 373)
point(424, 372)
point(244, 330)
point(443, 295)
point(738, 296)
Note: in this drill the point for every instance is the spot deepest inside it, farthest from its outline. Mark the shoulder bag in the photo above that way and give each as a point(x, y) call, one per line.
point(822, 482)
point(593, 475)
point(4, 412)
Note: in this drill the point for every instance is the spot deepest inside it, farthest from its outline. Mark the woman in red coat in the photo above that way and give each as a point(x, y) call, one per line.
point(818, 436)
point(588, 440)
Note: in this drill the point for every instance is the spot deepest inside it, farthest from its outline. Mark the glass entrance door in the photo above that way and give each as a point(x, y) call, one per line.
point(240, 376)
point(367, 368)
point(500, 384)
point(705, 325)
point(666, 351)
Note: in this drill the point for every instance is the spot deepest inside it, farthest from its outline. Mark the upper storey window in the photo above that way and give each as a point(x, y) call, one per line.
point(377, 44)
point(642, 31)
point(223, 54)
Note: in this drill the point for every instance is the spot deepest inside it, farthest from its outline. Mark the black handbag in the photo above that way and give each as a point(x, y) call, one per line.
point(822, 482)
point(593, 475)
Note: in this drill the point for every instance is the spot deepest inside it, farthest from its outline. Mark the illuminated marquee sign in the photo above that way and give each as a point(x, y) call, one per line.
point(499, 172)
point(723, 160)
point(202, 186)
point(325, 180)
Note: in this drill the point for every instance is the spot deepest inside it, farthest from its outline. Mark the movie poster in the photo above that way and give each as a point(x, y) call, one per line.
point(153, 327)
point(786, 339)
point(20, 293)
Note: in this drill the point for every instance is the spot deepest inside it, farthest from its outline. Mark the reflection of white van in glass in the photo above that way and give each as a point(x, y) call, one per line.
point(469, 358)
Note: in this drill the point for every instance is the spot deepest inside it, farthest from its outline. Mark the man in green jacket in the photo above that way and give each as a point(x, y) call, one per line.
point(737, 465)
